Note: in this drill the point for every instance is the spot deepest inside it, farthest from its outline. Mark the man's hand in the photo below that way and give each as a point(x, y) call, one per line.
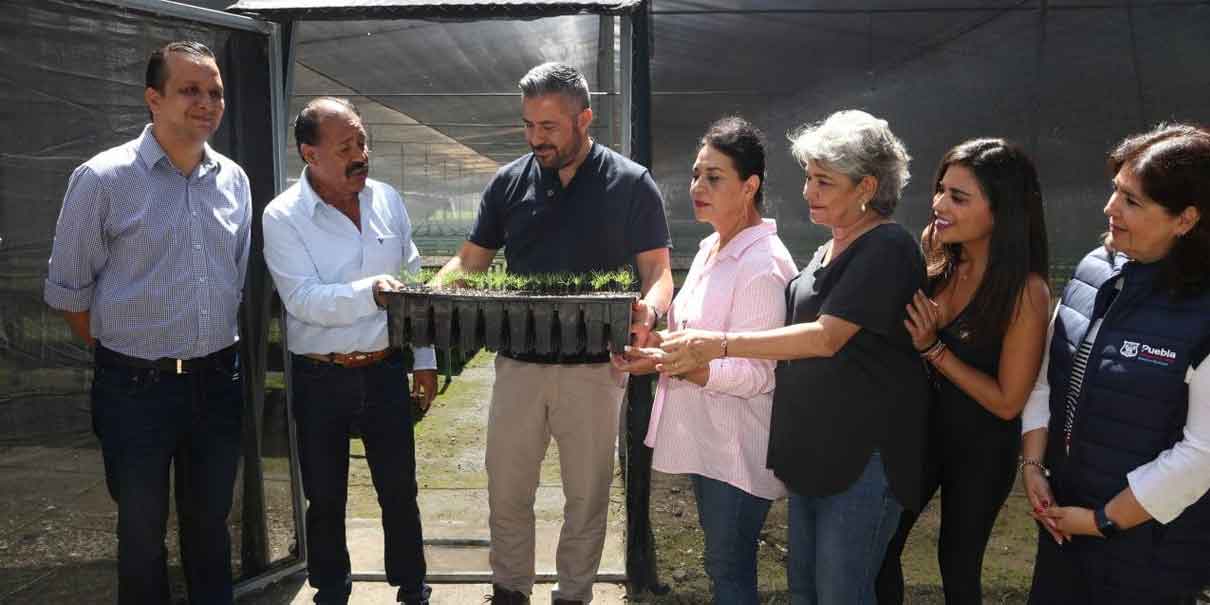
point(78, 321)
point(642, 324)
point(424, 387)
point(385, 283)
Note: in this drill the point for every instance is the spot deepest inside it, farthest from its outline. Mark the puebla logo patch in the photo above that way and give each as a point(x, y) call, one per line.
point(1160, 356)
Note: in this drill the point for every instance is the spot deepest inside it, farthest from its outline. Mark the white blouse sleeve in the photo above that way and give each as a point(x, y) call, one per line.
point(1036, 414)
point(1179, 476)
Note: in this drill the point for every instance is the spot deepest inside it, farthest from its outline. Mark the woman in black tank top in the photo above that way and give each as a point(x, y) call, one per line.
point(981, 328)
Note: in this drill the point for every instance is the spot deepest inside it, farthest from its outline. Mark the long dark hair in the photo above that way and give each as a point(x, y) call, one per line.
point(1172, 162)
point(1018, 244)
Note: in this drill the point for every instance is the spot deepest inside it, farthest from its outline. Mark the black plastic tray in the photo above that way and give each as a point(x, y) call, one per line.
point(517, 323)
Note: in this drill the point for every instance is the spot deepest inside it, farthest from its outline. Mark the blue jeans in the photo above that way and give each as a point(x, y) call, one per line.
point(731, 519)
point(329, 400)
point(837, 542)
point(148, 420)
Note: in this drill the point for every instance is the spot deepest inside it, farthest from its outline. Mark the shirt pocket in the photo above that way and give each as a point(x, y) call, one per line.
point(383, 254)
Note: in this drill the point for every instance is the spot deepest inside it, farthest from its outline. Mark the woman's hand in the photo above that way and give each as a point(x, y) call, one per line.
point(1072, 520)
point(1041, 499)
point(687, 350)
point(638, 360)
point(923, 317)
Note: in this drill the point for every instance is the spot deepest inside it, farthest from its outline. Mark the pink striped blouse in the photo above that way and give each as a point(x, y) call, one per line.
point(721, 430)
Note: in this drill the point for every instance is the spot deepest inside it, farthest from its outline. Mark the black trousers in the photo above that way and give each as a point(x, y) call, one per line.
point(148, 420)
point(327, 401)
point(974, 463)
point(1078, 574)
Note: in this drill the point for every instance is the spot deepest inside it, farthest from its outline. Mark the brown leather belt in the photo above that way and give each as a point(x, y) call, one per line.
point(356, 359)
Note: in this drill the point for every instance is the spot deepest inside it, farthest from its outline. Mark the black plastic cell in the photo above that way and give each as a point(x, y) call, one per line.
point(493, 324)
point(519, 321)
point(619, 324)
point(443, 322)
point(543, 312)
point(571, 333)
point(420, 320)
point(594, 327)
point(469, 335)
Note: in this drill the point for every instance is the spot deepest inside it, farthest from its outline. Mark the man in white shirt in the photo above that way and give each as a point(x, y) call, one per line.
point(333, 242)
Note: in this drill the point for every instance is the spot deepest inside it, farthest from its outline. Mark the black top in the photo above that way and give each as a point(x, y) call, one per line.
point(609, 212)
point(831, 413)
point(957, 413)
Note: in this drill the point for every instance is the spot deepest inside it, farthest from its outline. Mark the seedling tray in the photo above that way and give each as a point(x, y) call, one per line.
point(514, 322)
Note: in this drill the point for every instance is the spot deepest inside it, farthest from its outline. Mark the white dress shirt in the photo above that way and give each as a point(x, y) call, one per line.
point(1180, 475)
point(325, 268)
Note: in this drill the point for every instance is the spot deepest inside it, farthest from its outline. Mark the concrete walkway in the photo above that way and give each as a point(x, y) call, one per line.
point(450, 443)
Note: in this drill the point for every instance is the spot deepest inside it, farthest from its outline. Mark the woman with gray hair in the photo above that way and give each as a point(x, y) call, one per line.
point(848, 424)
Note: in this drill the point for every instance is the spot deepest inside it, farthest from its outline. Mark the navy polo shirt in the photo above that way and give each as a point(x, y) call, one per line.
point(610, 211)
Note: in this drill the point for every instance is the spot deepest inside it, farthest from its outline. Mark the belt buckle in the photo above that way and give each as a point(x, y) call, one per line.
point(179, 367)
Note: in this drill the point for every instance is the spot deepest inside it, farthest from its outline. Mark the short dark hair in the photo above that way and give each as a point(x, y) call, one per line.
point(1172, 163)
point(560, 78)
point(739, 140)
point(1018, 245)
point(157, 63)
point(306, 124)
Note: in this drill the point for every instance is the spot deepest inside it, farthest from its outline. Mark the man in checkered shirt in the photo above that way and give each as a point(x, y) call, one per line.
point(148, 266)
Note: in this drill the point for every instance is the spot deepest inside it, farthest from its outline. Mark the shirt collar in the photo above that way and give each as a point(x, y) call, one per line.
point(152, 153)
point(549, 178)
point(744, 239)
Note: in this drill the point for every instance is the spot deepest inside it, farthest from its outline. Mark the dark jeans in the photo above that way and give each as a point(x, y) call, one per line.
point(837, 542)
point(147, 420)
point(731, 519)
point(328, 401)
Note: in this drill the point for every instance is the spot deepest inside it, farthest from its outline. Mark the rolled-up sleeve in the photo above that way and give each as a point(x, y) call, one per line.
point(304, 295)
point(759, 304)
point(80, 251)
point(1180, 475)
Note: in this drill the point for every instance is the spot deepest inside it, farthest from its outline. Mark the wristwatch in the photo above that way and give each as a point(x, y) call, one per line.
point(1105, 525)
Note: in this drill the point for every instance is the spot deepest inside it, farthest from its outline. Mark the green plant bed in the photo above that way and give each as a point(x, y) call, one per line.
point(562, 315)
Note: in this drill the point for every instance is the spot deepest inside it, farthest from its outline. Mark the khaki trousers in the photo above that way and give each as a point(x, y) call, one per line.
point(578, 405)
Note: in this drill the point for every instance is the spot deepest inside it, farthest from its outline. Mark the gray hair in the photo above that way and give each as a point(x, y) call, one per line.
point(858, 145)
point(560, 78)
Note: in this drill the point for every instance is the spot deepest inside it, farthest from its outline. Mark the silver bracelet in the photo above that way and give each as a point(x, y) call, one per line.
point(1023, 462)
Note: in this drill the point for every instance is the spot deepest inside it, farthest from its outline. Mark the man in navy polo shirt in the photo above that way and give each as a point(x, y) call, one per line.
point(571, 206)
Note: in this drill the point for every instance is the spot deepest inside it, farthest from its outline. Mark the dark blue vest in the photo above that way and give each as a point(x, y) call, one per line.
point(1133, 406)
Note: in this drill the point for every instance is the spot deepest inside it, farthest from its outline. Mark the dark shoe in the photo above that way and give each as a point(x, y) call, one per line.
point(503, 596)
point(566, 602)
point(410, 598)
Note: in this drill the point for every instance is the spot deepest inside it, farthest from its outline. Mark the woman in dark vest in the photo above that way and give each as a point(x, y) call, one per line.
point(1116, 452)
point(981, 325)
point(847, 430)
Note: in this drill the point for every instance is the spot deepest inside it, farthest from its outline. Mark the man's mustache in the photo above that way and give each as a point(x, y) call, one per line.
point(357, 168)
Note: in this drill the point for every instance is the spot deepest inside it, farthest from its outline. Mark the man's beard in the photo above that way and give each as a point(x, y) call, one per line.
point(561, 158)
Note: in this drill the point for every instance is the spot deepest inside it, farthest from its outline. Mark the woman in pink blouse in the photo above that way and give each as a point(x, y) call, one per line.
point(713, 423)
